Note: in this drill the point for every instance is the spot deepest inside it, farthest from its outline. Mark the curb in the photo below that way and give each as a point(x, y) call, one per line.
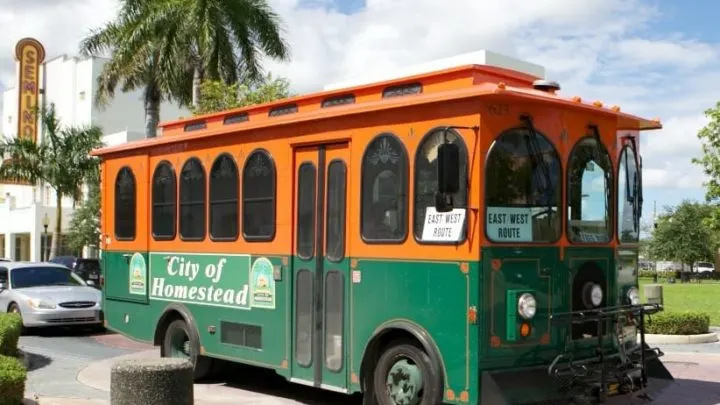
point(711, 337)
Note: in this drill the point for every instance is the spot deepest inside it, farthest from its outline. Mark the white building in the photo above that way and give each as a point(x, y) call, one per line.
point(70, 83)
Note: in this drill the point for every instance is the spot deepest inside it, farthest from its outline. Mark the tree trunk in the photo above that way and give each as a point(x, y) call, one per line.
point(58, 226)
point(152, 117)
point(197, 81)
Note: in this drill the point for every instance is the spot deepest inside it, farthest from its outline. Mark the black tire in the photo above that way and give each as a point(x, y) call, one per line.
point(431, 391)
point(15, 309)
point(179, 329)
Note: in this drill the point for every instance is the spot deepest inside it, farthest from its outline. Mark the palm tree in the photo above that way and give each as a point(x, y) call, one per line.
point(135, 63)
point(194, 40)
point(61, 160)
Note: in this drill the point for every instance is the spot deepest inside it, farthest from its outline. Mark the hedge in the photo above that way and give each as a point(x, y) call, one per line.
point(10, 330)
point(678, 323)
point(12, 381)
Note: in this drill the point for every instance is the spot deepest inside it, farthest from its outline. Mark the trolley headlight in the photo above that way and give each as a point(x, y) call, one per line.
point(527, 306)
point(633, 296)
point(592, 295)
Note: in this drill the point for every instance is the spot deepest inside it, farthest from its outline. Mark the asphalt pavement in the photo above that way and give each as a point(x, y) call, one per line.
point(57, 356)
point(60, 358)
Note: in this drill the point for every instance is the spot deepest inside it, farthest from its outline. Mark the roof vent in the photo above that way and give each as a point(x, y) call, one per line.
point(546, 85)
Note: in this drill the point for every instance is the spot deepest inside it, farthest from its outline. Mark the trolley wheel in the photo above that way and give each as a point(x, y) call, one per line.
point(178, 342)
point(404, 375)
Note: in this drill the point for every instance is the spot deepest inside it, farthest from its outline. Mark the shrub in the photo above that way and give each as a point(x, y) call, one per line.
point(647, 274)
point(678, 323)
point(10, 330)
point(12, 381)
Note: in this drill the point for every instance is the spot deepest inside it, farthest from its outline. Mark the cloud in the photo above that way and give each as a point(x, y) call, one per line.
point(598, 49)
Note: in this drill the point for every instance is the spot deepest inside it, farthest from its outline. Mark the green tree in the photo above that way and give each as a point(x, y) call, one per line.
point(85, 223)
point(136, 63)
point(682, 234)
point(216, 95)
point(61, 160)
point(709, 137)
point(172, 46)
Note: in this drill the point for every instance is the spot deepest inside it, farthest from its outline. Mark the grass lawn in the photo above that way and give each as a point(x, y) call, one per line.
point(703, 297)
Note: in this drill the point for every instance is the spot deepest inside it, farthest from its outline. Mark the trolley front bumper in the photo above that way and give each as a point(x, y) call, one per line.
point(610, 376)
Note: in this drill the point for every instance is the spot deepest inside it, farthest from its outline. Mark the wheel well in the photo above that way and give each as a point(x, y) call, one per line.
point(9, 305)
point(379, 343)
point(165, 321)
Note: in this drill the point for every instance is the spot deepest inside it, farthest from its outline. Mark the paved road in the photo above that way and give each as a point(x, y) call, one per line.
point(58, 356)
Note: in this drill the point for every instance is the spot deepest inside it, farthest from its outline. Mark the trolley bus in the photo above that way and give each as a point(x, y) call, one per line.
point(459, 235)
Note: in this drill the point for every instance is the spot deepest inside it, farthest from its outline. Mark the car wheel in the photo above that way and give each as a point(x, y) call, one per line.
point(178, 342)
point(15, 309)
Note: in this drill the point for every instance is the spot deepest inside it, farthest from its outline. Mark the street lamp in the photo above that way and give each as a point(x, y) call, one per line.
point(45, 223)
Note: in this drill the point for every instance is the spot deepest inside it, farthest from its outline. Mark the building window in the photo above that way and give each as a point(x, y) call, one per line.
point(522, 188)
point(259, 197)
point(384, 190)
point(224, 190)
point(426, 184)
point(164, 201)
point(125, 206)
point(192, 200)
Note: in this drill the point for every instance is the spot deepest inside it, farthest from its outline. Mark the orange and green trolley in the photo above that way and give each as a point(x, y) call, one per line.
point(463, 235)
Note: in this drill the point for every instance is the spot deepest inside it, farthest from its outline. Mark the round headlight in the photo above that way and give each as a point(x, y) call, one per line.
point(596, 295)
point(527, 306)
point(633, 296)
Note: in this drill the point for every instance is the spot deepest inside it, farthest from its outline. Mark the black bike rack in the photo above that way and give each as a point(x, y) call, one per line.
point(596, 371)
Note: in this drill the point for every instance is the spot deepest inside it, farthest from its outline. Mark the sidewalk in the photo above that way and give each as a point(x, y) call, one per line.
point(696, 376)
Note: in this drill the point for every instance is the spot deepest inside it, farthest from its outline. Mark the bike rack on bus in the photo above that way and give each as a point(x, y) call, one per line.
point(614, 365)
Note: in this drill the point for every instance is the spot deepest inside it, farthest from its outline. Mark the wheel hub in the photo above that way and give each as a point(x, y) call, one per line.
point(404, 383)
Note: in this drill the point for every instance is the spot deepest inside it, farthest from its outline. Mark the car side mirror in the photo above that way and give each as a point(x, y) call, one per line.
point(90, 283)
point(3, 285)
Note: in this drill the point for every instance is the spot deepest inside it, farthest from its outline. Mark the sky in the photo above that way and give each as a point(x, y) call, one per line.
point(654, 58)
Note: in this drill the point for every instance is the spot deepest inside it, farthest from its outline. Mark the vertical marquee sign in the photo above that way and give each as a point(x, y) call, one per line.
point(31, 54)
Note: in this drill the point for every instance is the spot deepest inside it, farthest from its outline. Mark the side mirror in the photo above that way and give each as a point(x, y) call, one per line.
point(90, 283)
point(448, 156)
point(3, 285)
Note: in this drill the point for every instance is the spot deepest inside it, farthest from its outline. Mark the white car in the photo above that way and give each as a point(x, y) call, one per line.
point(703, 267)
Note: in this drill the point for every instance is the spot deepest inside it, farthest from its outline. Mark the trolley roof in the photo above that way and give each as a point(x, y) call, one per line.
point(494, 76)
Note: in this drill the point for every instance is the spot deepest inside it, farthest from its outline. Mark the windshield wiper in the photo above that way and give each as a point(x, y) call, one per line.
point(531, 142)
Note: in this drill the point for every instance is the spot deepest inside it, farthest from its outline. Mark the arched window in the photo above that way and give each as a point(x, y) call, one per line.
point(426, 182)
point(164, 201)
point(125, 205)
point(522, 188)
point(589, 199)
point(384, 190)
point(224, 197)
point(192, 200)
point(259, 197)
point(628, 207)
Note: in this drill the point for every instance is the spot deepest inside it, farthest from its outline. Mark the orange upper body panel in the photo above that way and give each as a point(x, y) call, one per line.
point(464, 97)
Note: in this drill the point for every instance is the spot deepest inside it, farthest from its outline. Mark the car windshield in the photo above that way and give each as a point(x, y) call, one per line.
point(704, 264)
point(88, 265)
point(26, 277)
